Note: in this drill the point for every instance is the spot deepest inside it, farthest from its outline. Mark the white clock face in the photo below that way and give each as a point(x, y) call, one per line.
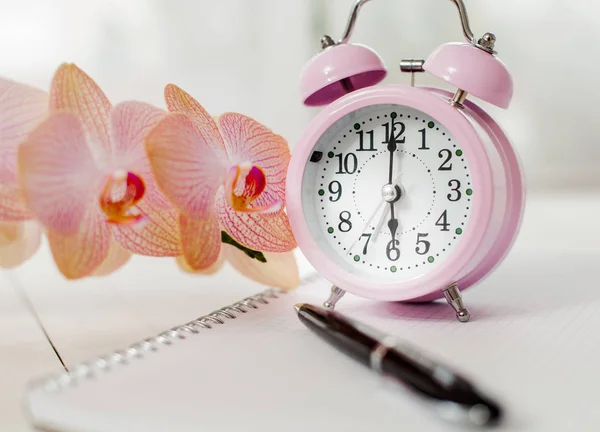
point(390, 205)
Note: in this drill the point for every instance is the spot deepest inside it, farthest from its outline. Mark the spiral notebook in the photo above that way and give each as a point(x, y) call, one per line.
point(252, 366)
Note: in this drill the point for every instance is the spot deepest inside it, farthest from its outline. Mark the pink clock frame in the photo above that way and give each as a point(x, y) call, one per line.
point(469, 263)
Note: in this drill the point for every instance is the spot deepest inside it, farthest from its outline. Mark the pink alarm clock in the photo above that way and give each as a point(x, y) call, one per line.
point(405, 193)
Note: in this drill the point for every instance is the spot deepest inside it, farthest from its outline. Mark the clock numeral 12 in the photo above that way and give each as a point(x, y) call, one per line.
point(393, 136)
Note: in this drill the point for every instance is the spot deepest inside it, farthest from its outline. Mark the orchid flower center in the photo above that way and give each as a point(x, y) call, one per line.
point(121, 192)
point(244, 184)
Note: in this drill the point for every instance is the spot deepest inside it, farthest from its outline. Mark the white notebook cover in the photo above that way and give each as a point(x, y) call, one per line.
point(530, 344)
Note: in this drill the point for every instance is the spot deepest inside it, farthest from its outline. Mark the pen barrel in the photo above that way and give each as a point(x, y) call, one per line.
point(340, 334)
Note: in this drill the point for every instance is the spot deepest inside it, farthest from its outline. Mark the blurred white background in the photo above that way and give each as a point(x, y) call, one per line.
point(242, 55)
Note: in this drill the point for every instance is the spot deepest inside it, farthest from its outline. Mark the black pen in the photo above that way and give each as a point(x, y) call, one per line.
point(384, 354)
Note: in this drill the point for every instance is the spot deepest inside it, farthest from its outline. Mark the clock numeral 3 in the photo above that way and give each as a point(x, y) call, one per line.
point(454, 187)
point(335, 188)
point(345, 225)
point(446, 165)
point(347, 164)
point(392, 251)
point(443, 221)
point(425, 243)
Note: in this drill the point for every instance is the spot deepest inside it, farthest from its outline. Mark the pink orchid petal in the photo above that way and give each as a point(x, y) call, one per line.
point(12, 204)
point(263, 232)
point(117, 258)
point(179, 101)
point(74, 92)
point(158, 234)
point(185, 168)
point(58, 174)
point(201, 242)
point(218, 265)
point(248, 141)
point(130, 124)
point(280, 270)
point(21, 109)
point(18, 242)
point(78, 255)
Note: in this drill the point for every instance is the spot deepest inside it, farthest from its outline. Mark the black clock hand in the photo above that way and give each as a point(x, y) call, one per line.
point(393, 224)
point(392, 147)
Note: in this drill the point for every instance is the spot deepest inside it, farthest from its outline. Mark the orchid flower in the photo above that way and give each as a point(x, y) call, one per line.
point(21, 109)
point(225, 174)
point(86, 178)
point(275, 270)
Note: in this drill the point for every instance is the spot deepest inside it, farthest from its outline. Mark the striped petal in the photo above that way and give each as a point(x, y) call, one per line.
point(201, 242)
point(179, 101)
point(262, 232)
point(78, 255)
point(58, 174)
point(158, 235)
point(185, 168)
point(18, 242)
point(74, 92)
point(280, 270)
point(117, 258)
point(21, 109)
point(243, 185)
point(218, 265)
point(248, 141)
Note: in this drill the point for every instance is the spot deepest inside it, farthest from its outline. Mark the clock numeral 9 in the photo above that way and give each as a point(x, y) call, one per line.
point(345, 225)
point(335, 188)
point(446, 165)
point(392, 251)
point(347, 164)
point(425, 243)
point(454, 187)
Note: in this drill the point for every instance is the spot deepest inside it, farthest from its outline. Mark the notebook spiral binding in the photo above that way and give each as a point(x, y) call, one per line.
point(138, 350)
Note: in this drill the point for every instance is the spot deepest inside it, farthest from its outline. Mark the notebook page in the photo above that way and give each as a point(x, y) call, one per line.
point(533, 343)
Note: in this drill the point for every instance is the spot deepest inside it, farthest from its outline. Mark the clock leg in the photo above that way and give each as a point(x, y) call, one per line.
point(454, 299)
point(334, 297)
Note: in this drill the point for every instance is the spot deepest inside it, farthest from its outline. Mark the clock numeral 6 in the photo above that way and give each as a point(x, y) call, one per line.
point(345, 225)
point(454, 187)
point(335, 188)
point(425, 243)
point(392, 251)
point(347, 164)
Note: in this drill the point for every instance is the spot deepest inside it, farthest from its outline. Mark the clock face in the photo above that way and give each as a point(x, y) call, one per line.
point(387, 193)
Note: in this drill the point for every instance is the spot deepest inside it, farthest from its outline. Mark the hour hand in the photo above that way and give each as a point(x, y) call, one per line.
point(393, 222)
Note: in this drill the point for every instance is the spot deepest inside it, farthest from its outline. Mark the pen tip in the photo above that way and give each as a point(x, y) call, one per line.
point(297, 306)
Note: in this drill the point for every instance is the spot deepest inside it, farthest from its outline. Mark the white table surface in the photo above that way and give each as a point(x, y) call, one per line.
point(91, 317)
